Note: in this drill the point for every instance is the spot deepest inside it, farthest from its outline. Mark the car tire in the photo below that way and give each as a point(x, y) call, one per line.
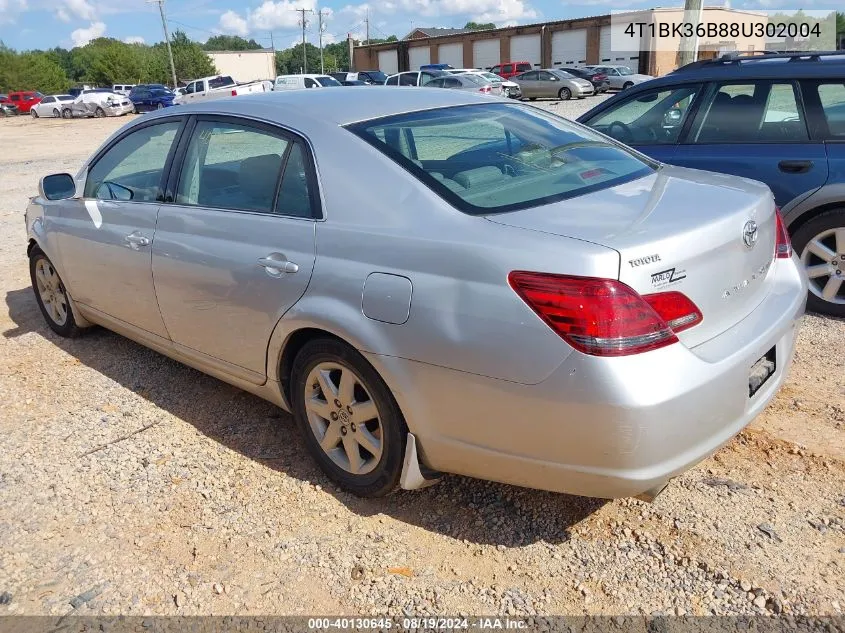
point(99, 113)
point(51, 295)
point(821, 230)
point(375, 446)
point(627, 84)
point(56, 113)
point(67, 114)
point(565, 94)
point(33, 113)
point(532, 98)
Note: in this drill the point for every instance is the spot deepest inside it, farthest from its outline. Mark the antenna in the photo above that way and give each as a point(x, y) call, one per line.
point(160, 4)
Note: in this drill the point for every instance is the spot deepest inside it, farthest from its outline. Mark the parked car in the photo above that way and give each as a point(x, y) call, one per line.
point(23, 100)
point(146, 99)
point(98, 102)
point(506, 87)
point(757, 117)
point(552, 84)
point(8, 109)
point(436, 67)
point(217, 87)
point(50, 106)
point(356, 82)
point(598, 79)
point(122, 89)
point(620, 77)
point(301, 82)
point(511, 69)
point(413, 77)
point(372, 77)
point(466, 81)
point(525, 300)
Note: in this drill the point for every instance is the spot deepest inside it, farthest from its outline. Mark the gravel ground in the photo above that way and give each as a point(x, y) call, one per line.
point(213, 507)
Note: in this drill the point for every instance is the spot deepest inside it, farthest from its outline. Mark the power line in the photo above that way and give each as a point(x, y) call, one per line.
point(304, 23)
point(160, 4)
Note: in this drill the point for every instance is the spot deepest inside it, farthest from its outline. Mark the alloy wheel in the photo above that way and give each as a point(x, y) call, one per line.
point(344, 417)
point(824, 259)
point(52, 291)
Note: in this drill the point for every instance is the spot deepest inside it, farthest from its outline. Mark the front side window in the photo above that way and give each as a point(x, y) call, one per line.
point(190, 88)
point(131, 169)
point(328, 81)
point(507, 68)
point(16, 97)
point(393, 81)
point(757, 112)
point(47, 100)
point(437, 83)
point(310, 83)
point(408, 79)
point(531, 76)
point(239, 167)
point(652, 118)
point(545, 76)
point(501, 157)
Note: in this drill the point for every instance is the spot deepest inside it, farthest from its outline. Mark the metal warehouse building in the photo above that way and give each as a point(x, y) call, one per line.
point(549, 44)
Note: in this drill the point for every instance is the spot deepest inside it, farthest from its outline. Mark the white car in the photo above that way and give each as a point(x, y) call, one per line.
point(122, 89)
point(97, 103)
point(300, 82)
point(50, 106)
point(414, 77)
point(507, 88)
point(620, 77)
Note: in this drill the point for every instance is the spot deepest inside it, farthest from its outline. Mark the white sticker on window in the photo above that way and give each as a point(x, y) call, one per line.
point(94, 212)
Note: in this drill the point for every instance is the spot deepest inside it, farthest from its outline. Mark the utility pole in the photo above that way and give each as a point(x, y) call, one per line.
point(160, 4)
point(304, 24)
point(688, 50)
point(367, 22)
point(351, 45)
point(320, 17)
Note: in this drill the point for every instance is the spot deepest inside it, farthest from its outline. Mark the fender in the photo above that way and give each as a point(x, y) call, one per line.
point(826, 195)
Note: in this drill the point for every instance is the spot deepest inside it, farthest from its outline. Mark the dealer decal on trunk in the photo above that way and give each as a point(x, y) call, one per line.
point(667, 277)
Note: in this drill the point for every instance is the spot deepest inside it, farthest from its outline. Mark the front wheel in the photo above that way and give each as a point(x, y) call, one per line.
point(51, 295)
point(350, 421)
point(99, 113)
point(33, 113)
point(820, 243)
point(56, 113)
point(627, 85)
point(565, 94)
point(67, 114)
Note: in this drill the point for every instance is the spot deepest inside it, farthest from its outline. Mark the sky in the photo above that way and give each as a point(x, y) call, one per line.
point(31, 24)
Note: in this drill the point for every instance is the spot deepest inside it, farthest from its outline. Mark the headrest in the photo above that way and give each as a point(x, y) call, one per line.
point(479, 176)
point(258, 175)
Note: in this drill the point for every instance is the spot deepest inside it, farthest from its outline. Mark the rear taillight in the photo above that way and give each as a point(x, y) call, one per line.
point(604, 317)
point(234, 93)
point(484, 89)
point(783, 247)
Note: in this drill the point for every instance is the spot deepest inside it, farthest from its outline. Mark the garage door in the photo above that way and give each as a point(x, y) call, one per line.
point(419, 56)
point(388, 62)
point(485, 53)
point(452, 54)
point(526, 48)
point(569, 47)
point(609, 56)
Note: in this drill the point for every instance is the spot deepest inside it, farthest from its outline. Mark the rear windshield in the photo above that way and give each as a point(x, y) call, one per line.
point(220, 82)
point(501, 157)
point(522, 67)
point(328, 81)
point(378, 76)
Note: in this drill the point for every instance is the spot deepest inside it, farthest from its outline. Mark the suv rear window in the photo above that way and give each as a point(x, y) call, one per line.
point(501, 157)
point(522, 67)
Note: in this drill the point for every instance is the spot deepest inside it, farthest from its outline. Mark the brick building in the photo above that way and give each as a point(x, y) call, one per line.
point(551, 44)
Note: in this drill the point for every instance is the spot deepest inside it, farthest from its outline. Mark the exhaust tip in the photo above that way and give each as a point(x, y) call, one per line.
point(651, 494)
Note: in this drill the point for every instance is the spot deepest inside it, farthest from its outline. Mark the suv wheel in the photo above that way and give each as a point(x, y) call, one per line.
point(820, 243)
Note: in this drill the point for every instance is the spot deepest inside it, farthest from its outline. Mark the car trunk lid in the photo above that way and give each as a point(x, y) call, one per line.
point(709, 236)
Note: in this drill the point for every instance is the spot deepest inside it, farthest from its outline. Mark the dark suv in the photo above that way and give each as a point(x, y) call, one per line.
point(779, 119)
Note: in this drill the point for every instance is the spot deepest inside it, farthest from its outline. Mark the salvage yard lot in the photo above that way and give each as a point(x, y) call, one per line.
point(215, 507)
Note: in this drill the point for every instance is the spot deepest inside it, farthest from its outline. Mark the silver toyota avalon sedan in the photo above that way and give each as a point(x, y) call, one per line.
point(433, 282)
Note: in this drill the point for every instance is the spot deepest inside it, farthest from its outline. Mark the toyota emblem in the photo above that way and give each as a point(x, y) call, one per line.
point(749, 234)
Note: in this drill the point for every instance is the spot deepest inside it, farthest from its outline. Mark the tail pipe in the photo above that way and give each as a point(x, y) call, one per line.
point(651, 494)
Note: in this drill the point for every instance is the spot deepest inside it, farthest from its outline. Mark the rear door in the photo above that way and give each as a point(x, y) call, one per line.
point(528, 83)
point(235, 249)
point(758, 130)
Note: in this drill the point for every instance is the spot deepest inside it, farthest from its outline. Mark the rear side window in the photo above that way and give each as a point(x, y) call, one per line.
point(507, 68)
point(131, 169)
point(522, 67)
point(832, 97)
point(409, 79)
point(393, 81)
point(501, 157)
point(761, 112)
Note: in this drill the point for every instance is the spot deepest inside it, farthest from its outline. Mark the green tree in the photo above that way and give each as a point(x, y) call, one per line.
point(30, 71)
point(339, 54)
point(479, 26)
point(289, 61)
point(189, 59)
point(840, 22)
point(230, 43)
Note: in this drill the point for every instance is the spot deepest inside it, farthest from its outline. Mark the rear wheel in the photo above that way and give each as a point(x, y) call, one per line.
point(565, 94)
point(67, 114)
point(56, 113)
point(820, 242)
point(51, 295)
point(350, 421)
point(99, 113)
point(627, 85)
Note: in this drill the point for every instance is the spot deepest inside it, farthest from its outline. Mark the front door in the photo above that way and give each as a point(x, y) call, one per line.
point(236, 248)
point(108, 233)
point(758, 130)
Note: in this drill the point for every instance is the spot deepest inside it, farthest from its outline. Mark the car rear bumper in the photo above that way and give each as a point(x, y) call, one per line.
point(603, 427)
point(119, 110)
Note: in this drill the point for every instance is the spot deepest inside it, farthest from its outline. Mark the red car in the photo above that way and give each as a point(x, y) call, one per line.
point(23, 99)
point(511, 69)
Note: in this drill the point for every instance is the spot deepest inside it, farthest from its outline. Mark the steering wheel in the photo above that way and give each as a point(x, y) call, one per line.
point(626, 131)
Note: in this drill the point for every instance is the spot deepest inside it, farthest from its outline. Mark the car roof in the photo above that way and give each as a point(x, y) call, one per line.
point(304, 109)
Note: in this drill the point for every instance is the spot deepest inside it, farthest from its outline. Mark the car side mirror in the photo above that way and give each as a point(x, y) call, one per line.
point(672, 118)
point(57, 187)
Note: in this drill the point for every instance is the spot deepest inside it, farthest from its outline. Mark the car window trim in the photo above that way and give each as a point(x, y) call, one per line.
point(291, 136)
point(817, 120)
point(181, 118)
point(796, 91)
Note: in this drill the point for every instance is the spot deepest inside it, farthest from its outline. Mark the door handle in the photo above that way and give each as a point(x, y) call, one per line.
point(276, 265)
point(795, 166)
point(135, 240)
